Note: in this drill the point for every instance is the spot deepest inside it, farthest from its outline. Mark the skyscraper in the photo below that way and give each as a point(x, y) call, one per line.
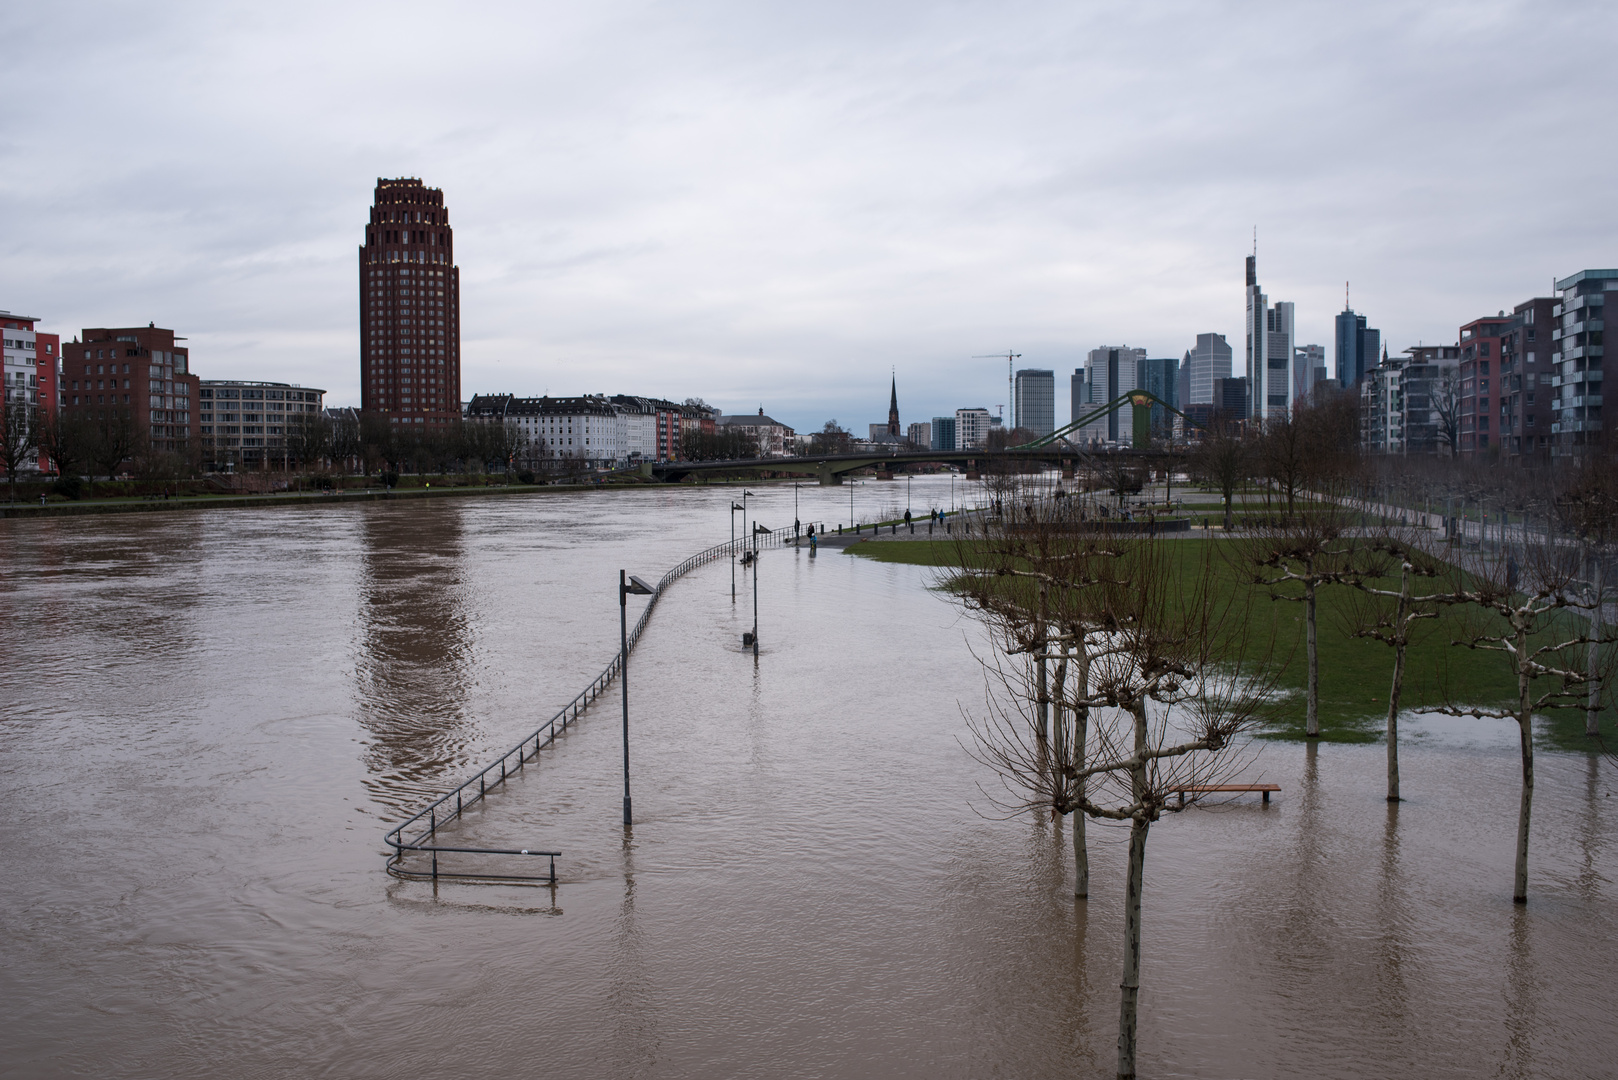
point(1036, 401)
point(1110, 373)
point(1269, 351)
point(1358, 347)
point(1308, 370)
point(1210, 360)
point(1160, 375)
point(410, 307)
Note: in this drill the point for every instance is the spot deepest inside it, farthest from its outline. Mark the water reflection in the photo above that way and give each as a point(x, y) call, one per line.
point(413, 656)
point(1393, 945)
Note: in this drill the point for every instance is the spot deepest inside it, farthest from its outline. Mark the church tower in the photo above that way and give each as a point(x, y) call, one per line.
point(893, 408)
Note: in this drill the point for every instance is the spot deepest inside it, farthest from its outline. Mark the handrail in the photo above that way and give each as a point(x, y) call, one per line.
point(476, 787)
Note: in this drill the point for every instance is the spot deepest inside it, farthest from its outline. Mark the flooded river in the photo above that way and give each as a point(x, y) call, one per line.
point(209, 719)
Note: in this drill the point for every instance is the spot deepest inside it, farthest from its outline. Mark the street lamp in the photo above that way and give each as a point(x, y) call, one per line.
point(636, 586)
point(733, 509)
point(756, 530)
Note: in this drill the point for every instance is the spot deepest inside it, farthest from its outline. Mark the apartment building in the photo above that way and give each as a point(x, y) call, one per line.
point(252, 425)
point(138, 374)
point(1577, 351)
point(1479, 374)
point(31, 358)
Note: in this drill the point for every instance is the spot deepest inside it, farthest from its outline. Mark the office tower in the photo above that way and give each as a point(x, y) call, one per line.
point(1577, 354)
point(1161, 376)
point(920, 436)
point(1036, 401)
point(410, 307)
point(943, 433)
point(1183, 382)
point(1358, 347)
point(1269, 351)
point(135, 374)
point(1308, 370)
point(1230, 399)
point(1110, 372)
point(1210, 360)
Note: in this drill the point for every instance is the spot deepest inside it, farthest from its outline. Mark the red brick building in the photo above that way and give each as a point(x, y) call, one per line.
point(410, 307)
point(1481, 385)
point(30, 369)
point(1526, 387)
point(138, 372)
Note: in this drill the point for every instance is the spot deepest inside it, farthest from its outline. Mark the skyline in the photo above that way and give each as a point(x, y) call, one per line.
point(778, 208)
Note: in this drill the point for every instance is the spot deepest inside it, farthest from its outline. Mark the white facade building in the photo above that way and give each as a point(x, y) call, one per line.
point(971, 428)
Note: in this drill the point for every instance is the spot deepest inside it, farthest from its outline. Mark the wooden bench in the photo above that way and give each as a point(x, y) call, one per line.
point(1198, 789)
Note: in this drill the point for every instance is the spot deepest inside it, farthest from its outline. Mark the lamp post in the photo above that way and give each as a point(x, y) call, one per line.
point(756, 530)
point(733, 509)
point(625, 587)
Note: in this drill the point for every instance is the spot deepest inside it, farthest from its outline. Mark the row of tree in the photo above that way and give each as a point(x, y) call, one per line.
point(1128, 668)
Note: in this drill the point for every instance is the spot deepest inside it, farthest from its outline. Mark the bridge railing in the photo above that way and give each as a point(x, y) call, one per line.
point(417, 835)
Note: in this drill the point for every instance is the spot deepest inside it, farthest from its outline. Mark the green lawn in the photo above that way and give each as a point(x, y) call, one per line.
point(1355, 673)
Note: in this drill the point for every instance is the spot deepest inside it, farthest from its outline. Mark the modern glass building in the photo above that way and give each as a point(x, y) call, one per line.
point(943, 433)
point(1036, 401)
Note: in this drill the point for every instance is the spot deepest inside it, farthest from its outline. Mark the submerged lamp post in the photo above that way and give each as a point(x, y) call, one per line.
point(733, 508)
point(756, 530)
point(637, 587)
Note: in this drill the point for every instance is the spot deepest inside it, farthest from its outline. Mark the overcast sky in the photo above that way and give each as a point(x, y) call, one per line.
point(778, 204)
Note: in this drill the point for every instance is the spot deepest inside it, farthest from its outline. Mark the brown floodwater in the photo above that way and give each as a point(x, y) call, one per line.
point(210, 718)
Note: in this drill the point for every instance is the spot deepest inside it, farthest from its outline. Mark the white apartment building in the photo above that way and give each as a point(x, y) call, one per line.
point(971, 428)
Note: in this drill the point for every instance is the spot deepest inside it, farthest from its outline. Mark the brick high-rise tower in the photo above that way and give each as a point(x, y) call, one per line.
point(410, 307)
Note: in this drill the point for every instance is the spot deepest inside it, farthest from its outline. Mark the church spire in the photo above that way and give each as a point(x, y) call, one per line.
point(893, 407)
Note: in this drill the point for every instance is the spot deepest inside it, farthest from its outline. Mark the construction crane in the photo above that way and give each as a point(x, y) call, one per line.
point(1011, 394)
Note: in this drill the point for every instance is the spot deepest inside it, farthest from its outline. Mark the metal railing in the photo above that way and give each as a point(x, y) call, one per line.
point(450, 806)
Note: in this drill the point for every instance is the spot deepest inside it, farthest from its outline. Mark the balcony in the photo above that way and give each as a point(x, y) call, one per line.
point(1581, 402)
point(1581, 351)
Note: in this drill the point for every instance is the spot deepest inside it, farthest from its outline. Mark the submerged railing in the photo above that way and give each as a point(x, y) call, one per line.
point(449, 807)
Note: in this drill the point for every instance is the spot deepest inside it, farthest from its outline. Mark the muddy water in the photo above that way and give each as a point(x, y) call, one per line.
point(208, 720)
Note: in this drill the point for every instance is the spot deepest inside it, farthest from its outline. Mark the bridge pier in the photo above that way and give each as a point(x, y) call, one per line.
point(884, 474)
point(972, 470)
point(1067, 468)
point(827, 477)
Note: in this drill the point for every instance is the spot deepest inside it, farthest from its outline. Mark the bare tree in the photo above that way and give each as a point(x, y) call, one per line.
point(1390, 615)
point(19, 436)
point(1445, 401)
point(1221, 459)
point(65, 438)
point(1167, 685)
point(1586, 506)
point(1283, 454)
point(1520, 612)
point(114, 438)
point(1293, 561)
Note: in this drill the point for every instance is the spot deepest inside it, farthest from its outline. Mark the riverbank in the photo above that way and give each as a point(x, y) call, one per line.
point(1355, 672)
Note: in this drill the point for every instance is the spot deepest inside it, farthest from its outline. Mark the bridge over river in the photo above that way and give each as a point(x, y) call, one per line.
point(831, 468)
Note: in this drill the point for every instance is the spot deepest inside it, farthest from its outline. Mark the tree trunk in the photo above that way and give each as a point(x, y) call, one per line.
point(1129, 1000)
point(1312, 719)
point(1081, 742)
point(1525, 731)
point(1399, 629)
point(1040, 640)
point(1129, 985)
point(1592, 712)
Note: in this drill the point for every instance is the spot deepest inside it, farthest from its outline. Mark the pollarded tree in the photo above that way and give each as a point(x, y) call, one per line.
point(1390, 615)
point(1169, 685)
point(1293, 560)
point(1530, 611)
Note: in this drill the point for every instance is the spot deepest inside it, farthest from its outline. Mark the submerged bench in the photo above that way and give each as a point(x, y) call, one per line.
point(1199, 789)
